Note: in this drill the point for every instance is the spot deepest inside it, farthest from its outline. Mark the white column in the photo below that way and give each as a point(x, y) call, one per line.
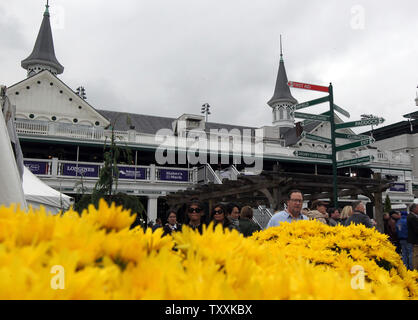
point(152, 208)
point(54, 169)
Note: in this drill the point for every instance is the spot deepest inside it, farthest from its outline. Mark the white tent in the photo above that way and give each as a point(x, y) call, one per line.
point(11, 185)
point(38, 193)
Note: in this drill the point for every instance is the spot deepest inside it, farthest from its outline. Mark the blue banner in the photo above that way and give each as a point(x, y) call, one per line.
point(131, 172)
point(174, 175)
point(85, 170)
point(398, 187)
point(37, 167)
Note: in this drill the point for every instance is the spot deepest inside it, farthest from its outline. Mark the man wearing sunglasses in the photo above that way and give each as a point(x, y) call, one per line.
point(195, 213)
point(292, 213)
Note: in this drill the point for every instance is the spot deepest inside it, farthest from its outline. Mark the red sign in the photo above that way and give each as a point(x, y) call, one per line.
point(307, 86)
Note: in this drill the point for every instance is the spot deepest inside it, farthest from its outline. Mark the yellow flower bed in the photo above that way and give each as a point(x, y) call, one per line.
point(96, 256)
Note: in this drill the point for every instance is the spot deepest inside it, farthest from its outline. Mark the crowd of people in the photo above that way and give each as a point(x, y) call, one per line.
point(401, 227)
point(229, 216)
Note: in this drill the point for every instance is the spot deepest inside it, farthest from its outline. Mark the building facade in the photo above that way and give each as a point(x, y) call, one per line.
point(63, 138)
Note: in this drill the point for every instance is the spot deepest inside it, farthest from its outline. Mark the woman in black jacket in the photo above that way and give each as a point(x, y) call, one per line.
point(171, 225)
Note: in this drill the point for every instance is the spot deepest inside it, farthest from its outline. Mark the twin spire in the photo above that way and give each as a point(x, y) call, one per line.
point(43, 54)
point(282, 90)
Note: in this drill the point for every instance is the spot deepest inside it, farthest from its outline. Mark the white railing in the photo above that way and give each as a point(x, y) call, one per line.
point(262, 216)
point(37, 128)
point(26, 127)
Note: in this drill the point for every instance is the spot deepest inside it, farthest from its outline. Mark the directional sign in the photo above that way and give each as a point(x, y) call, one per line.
point(351, 136)
point(315, 138)
point(354, 144)
point(342, 111)
point(307, 86)
point(360, 123)
point(314, 155)
point(348, 163)
point(311, 103)
point(309, 116)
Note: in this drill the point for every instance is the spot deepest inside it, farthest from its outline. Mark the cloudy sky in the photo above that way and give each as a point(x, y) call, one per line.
point(168, 57)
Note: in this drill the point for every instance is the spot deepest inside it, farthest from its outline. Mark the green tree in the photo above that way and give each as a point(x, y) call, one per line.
point(107, 184)
point(388, 206)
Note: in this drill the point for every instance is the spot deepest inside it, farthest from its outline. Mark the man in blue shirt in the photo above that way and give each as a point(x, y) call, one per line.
point(292, 213)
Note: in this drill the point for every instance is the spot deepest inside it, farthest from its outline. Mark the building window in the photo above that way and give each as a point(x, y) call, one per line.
point(75, 120)
point(54, 118)
point(281, 113)
point(31, 116)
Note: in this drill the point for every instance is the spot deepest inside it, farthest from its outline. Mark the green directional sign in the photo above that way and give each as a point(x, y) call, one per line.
point(314, 155)
point(354, 145)
point(351, 136)
point(342, 111)
point(311, 103)
point(360, 123)
point(315, 138)
point(309, 116)
point(351, 162)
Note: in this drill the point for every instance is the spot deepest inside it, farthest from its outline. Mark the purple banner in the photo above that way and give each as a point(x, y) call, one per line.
point(399, 187)
point(129, 173)
point(37, 167)
point(85, 170)
point(174, 175)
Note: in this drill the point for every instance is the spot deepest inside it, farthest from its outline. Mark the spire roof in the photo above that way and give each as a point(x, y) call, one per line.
point(282, 90)
point(43, 52)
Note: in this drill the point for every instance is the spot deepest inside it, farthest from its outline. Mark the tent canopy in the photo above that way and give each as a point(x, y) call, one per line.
point(38, 193)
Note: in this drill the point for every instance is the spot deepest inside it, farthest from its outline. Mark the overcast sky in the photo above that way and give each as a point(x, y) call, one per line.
point(168, 57)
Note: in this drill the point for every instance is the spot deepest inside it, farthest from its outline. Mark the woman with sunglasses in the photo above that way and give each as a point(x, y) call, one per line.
point(195, 213)
point(218, 216)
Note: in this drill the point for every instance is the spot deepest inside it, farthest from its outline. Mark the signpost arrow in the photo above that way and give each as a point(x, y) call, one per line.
point(351, 136)
point(309, 116)
point(360, 123)
point(314, 155)
point(342, 111)
point(311, 103)
point(315, 138)
point(354, 144)
point(348, 163)
point(307, 86)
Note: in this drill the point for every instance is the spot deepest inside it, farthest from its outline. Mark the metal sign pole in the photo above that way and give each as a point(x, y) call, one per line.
point(334, 151)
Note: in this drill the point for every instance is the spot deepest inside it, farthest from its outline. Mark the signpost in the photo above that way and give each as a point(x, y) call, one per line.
point(315, 138)
point(351, 136)
point(309, 116)
point(311, 103)
point(348, 163)
point(307, 86)
point(313, 155)
point(360, 123)
point(342, 111)
point(329, 116)
point(355, 144)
